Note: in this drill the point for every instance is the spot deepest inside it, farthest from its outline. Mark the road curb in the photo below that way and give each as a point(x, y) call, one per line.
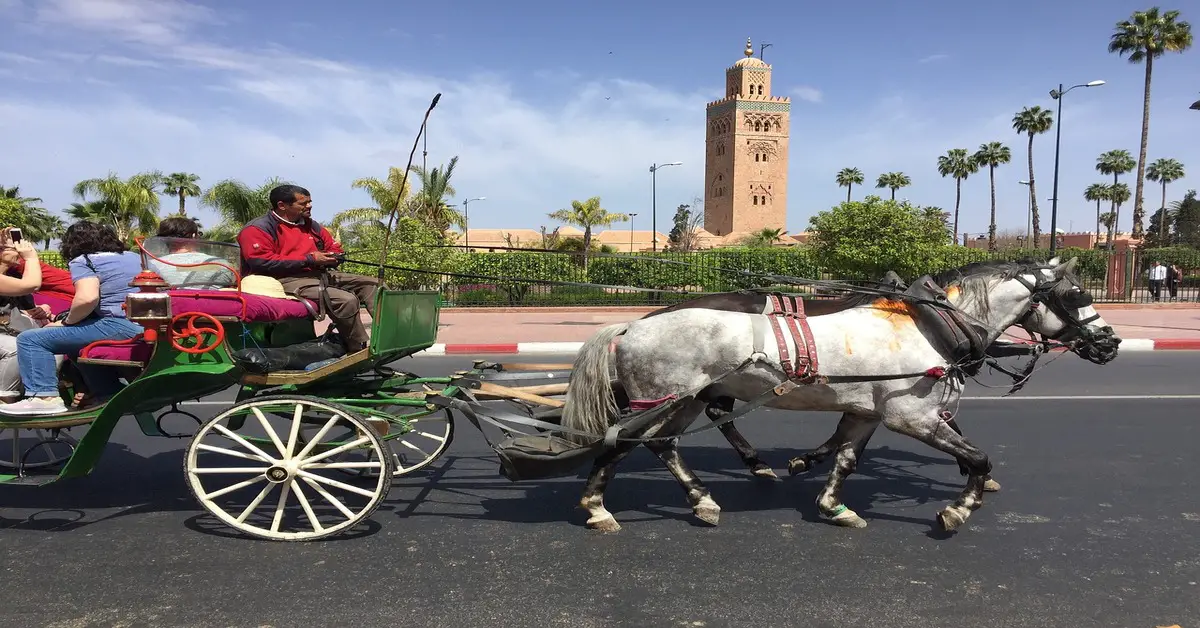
point(516, 348)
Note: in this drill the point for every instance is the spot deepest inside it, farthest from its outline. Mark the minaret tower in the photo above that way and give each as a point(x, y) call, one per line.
point(746, 152)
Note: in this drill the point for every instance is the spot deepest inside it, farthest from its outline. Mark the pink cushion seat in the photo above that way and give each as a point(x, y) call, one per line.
point(259, 309)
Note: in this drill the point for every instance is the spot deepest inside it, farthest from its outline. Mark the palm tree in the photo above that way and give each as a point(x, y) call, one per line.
point(388, 197)
point(957, 163)
point(894, 181)
point(183, 185)
point(763, 238)
point(588, 214)
point(1119, 193)
point(1033, 121)
point(849, 177)
point(1097, 192)
point(237, 204)
point(125, 202)
point(1164, 171)
point(431, 205)
point(1145, 36)
point(993, 154)
point(1109, 220)
point(1116, 163)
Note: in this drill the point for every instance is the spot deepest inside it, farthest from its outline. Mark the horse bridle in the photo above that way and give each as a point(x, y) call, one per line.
point(1078, 299)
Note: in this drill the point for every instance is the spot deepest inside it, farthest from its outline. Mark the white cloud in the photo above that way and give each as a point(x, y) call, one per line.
point(13, 57)
point(159, 22)
point(806, 93)
point(934, 57)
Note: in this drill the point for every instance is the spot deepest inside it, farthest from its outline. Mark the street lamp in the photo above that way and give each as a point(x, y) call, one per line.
point(1057, 94)
point(654, 201)
point(631, 217)
point(467, 219)
point(1028, 211)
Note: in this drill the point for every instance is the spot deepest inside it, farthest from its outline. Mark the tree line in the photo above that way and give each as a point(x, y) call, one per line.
point(1144, 37)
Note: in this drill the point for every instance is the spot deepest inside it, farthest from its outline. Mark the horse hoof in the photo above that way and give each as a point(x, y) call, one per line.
point(990, 485)
point(761, 470)
point(605, 523)
point(849, 519)
point(708, 514)
point(952, 517)
point(796, 466)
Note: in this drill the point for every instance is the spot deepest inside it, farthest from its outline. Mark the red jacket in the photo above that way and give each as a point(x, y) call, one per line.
point(275, 248)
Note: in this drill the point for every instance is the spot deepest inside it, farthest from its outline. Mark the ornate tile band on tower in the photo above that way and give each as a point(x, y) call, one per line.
point(746, 152)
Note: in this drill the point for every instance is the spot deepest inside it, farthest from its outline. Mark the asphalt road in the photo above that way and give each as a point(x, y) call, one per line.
point(1097, 524)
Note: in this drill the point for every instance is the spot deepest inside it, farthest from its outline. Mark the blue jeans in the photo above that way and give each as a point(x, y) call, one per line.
point(36, 349)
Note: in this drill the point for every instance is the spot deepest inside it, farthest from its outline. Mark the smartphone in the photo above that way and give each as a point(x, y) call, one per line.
point(15, 234)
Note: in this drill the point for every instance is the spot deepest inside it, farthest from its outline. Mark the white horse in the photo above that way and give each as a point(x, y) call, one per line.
point(880, 362)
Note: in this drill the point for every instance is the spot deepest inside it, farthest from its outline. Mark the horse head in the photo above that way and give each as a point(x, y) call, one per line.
point(1061, 310)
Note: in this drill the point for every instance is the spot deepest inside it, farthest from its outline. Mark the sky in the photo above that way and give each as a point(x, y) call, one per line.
point(545, 102)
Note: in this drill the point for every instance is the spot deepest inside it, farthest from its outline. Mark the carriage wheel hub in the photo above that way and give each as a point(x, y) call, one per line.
point(278, 474)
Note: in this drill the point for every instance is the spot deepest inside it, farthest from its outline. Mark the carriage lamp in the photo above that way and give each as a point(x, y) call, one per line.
point(150, 307)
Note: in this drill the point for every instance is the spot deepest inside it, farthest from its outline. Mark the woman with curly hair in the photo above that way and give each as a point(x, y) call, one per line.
point(101, 269)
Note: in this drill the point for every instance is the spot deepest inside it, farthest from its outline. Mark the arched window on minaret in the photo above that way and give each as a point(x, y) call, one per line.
point(757, 126)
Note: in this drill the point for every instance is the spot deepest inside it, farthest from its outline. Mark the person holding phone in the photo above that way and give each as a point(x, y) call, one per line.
point(56, 292)
point(11, 288)
point(102, 269)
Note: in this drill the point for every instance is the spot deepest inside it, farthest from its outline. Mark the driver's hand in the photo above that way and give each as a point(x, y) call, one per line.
point(324, 259)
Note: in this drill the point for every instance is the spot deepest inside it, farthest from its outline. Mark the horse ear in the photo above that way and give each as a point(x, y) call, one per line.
point(1068, 267)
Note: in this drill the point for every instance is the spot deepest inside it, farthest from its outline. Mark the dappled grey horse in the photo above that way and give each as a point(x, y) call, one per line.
point(876, 365)
point(760, 302)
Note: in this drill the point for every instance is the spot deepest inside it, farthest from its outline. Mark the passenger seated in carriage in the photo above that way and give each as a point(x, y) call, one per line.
point(102, 269)
point(176, 267)
point(56, 292)
point(11, 290)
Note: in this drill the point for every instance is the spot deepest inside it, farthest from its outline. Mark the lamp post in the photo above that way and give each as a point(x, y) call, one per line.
point(1057, 94)
point(1028, 212)
point(631, 217)
point(654, 202)
point(467, 218)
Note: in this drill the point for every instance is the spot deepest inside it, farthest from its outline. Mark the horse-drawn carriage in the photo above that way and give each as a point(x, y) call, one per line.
point(304, 453)
point(327, 440)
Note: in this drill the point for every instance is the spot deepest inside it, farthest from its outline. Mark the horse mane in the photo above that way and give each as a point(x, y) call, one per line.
point(978, 278)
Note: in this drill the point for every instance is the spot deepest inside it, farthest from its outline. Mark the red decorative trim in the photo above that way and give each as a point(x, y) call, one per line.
point(647, 404)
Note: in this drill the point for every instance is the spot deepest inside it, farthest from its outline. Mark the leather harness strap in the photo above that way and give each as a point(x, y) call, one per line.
point(791, 309)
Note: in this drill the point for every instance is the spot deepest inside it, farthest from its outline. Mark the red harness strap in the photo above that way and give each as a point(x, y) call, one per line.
point(791, 309)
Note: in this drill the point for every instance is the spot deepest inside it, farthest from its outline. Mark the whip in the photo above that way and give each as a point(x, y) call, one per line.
point(403, 183)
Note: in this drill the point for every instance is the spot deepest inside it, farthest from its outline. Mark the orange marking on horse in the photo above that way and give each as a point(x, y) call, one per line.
point(898, 313)
point(952, 292)
point(849, 349)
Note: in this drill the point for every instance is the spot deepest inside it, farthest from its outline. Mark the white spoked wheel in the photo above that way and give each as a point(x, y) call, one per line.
point(39, 448)
point(251, 468)
point(427, 439)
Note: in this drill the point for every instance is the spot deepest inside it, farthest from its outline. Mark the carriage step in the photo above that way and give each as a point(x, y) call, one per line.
point(28, 480)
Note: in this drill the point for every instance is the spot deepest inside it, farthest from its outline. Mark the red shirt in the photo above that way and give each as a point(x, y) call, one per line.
point(273, 247)
point(55, 281)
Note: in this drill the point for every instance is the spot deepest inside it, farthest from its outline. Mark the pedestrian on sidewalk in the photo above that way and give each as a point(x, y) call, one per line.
point(1174, 277)
point(1158, 274)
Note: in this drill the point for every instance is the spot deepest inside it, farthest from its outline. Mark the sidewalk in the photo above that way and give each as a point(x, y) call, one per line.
point(562, 330)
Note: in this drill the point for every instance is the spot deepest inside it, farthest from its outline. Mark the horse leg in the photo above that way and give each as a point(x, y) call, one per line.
point(599, 518)
point(810, 460)
point(856, 431)
point(703, 505)
point(989, 485)
point(605, 466)
point(717, 410)
point(933, 431)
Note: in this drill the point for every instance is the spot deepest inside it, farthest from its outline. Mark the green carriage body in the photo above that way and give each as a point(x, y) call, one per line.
point(405, 323)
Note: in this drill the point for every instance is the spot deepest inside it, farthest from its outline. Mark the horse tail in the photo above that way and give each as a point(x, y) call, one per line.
point(590, 403)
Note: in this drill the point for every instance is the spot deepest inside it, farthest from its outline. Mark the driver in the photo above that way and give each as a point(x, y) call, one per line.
point(289, 245)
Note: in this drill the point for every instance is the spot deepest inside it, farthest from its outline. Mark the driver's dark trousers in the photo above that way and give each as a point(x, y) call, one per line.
point(345, 292)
